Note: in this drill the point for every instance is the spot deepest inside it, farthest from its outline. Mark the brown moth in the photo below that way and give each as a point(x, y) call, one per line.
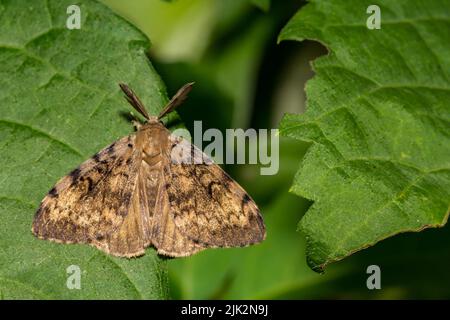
point(150, 188)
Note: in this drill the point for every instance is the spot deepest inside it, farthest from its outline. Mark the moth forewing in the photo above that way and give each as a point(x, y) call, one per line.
point(149, 188)
point(92, 201)
point(207, 204)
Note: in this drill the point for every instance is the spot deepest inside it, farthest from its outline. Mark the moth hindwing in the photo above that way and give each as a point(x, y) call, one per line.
point(150, 188)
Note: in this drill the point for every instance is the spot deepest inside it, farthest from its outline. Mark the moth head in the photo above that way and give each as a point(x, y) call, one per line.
point(176, 100)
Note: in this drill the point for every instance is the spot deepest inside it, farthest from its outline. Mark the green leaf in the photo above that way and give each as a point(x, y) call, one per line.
point(60, 103)
point(377, 118)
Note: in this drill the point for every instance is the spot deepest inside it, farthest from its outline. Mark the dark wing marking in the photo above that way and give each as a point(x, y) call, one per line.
point(208, 206)
point(91, 202)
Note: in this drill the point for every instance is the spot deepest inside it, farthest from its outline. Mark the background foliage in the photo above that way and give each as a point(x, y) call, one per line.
point(243, 79)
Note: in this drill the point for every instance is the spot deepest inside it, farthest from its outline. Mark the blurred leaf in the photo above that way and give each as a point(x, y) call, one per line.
point(261, 187)
point(413, 266)
point(236, 69)
point(224, 79)
point(179, 30)
point(206, 102)
point(262, 4)
point(268, 270)
point(378, 117)
point(295, 72)
point(237, 273)
point(183, 30)
point(276, 267)
point(60, 103)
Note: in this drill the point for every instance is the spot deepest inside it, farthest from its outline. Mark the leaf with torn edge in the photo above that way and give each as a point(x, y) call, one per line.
point(378, 120)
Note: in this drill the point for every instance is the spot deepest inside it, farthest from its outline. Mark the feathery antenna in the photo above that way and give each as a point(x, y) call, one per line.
point(133, 99)
point(177, 99)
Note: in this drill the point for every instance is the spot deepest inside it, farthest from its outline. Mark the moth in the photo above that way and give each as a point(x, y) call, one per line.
point(150, 188)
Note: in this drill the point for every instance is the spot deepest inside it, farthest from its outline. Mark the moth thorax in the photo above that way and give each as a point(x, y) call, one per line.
point(151, 148)
point(153, 119)
point(153, 139)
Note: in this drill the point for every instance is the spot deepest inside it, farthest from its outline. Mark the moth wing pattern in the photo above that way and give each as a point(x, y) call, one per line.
point(91, 204)
point(206, 204)
point(149, 188)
